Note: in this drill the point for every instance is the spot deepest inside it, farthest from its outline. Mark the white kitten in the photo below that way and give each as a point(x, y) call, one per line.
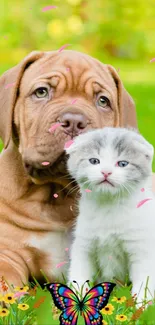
point(112, 231)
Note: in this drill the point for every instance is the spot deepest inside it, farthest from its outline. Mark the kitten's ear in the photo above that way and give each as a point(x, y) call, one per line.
point(144, 145)
point(127, 111)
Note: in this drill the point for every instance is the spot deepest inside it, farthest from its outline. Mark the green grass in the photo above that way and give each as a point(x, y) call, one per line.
point(42, 311)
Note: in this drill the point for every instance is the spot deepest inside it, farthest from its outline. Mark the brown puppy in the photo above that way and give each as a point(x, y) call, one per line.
point(34, 224)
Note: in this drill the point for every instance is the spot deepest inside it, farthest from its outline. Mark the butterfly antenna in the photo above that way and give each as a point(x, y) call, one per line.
point(87, 281)
point(77, 284)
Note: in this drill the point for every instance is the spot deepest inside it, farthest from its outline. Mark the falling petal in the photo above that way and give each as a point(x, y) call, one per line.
point(152, 60)
point(67, 69)
point(48, 8)
point(19, 294)
point(55, 195)
point(45, 163)
point(150, 303)
point(54, 127)
point(66, 249)
point(74, 101)
point(142, 189)
point(142, 202)
point(87, 190)
point(9, 85)
point(61, 264)
point(63, 47)
point(29, 259)
point(68, 144)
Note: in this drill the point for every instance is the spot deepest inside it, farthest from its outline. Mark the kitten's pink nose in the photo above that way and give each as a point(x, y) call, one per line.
point(106, 174)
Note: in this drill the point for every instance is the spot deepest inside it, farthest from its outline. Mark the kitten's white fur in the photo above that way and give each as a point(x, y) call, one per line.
point(111, 232)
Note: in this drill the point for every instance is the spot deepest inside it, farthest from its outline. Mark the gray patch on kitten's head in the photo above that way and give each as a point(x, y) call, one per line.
point(110, 145)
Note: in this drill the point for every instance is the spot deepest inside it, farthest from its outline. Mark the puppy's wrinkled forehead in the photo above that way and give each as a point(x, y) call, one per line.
point(77, 70)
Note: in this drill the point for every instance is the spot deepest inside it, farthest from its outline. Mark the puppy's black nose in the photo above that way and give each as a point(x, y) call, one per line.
point(73, 123)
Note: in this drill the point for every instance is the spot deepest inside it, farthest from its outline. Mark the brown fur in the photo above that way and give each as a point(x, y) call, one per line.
point(27, 205)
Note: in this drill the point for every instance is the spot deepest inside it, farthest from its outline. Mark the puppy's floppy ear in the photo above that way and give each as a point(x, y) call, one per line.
point(126, 104)
point(9, 93)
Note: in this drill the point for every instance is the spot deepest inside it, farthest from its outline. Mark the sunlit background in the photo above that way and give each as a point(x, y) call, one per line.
point(118, 32)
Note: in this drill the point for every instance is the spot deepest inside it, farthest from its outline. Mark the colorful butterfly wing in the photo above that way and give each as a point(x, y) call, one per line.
point(62, 295)
point(67, 301)
point(99, 295)
point(91, 315)
point(69, 316)
point(94, 300)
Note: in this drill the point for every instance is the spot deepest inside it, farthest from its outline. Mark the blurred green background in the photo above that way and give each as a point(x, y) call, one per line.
point(118, 32)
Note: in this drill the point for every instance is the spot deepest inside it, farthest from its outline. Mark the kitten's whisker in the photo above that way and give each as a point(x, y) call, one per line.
point(76, 187)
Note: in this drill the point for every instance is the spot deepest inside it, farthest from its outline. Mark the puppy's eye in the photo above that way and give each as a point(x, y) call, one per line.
point(122, 163)
point(103, 101)
point(94, 161)
point(41, 92)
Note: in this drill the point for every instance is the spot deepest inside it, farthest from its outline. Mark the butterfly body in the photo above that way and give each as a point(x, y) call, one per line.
point(71, 306)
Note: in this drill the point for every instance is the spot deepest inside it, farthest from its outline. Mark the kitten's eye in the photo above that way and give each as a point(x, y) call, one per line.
point(103, 101)
point(94, 161)
point(41, 92)
point(122, 163)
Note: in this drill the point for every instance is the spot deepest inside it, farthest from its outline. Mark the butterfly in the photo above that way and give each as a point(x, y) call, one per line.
point(71, 306)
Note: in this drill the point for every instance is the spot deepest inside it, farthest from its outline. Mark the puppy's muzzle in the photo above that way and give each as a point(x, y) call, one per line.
point(73, 123)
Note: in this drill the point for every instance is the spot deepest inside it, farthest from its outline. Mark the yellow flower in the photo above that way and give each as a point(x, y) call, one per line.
point(21, 289)
point(9, 298)
point(23, 306)
point(74, 2)
point(104, 322)
point(108, 309)
point(55, 28)
point(1, 297)
point(121, 318)
point(119, 300)
point(4, 312)
point(75, 24)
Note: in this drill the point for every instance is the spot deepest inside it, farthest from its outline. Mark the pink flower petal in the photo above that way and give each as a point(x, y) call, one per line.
point(87, 190)
point(152, 60)
point(29, 259)
point(55, 195)
point(142, 202)
point(54, 127)
point(68, 144)
point(67, 69)
point(45, 163)
point(9, 85)
point(142, 189)
point(48, 8)
point(66, 249)
point(110, 257)
point(74, 101)
point(61, 264)
point(20, 293)
point(150, 303)
point(63, 47)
